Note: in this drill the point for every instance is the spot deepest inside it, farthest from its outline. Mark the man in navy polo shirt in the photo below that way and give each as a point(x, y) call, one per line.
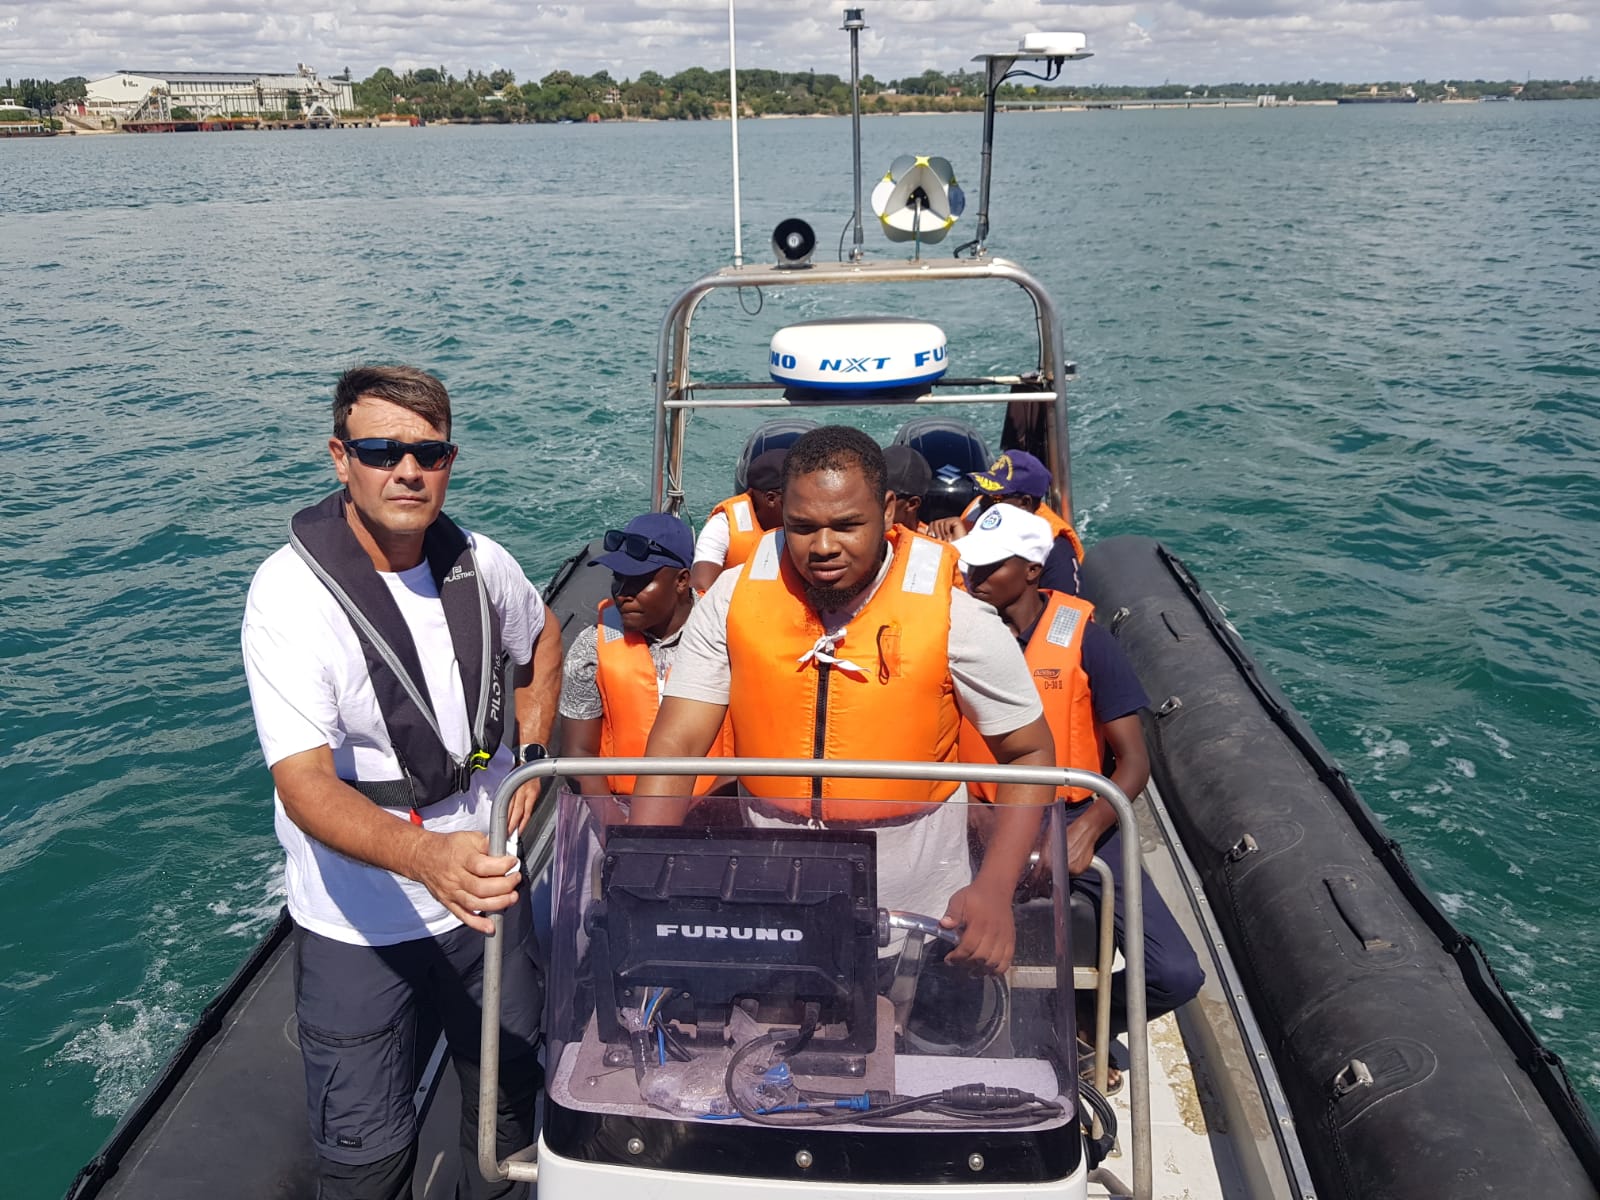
point(1003, 559)
point(1019, 479)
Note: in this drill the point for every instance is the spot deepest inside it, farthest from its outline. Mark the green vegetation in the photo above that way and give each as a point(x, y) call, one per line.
point(694, 94)
point(182, 114)
point(42, 94)
point(434, 94)
point(1316, 89)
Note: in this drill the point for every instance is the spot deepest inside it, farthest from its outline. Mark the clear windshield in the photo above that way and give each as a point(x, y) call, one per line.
point(754, 965)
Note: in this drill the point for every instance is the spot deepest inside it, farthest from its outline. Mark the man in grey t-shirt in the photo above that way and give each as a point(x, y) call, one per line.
point(836, 512)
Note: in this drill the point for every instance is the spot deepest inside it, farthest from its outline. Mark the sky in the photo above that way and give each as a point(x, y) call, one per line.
point(1208, 41)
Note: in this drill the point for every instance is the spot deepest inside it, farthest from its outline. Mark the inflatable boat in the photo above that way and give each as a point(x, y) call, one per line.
point(1349, 1040)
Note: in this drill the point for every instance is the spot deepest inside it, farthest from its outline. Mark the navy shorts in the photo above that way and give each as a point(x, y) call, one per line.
point(357, 1008)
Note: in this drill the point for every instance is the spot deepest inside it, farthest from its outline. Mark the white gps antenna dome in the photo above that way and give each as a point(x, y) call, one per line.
point(918, 199)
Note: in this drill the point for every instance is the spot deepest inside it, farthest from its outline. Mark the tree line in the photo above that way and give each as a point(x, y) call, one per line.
point(696, 94)
point(44, 94)
point(693, 94)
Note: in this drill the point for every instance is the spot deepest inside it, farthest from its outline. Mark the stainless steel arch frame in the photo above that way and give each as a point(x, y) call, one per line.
point(675, 387)
point(517, 1168)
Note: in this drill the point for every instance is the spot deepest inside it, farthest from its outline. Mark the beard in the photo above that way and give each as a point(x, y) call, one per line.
point(831, 599)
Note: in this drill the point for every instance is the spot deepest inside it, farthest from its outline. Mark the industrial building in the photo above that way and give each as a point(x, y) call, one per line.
point(128, 95)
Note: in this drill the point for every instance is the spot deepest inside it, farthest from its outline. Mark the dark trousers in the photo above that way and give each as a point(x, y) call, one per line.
point(357, 1008)
point(1172, 974)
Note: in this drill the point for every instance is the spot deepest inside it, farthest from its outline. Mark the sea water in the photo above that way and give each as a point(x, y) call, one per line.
point(1346, 362)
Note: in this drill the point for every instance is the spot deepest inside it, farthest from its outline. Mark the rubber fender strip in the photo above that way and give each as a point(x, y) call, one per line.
point(1543, 1066)
point(103, 1165)
point(563, 573)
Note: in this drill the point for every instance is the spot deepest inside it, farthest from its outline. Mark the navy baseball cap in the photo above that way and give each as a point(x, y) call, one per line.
point(1014, 473)
point(648, 543)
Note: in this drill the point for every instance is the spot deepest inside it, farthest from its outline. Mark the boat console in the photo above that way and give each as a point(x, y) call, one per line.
point(774, 1001)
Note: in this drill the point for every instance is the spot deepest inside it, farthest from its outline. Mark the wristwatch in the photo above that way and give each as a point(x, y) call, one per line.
point(528, 752)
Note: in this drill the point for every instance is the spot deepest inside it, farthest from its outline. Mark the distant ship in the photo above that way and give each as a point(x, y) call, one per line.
point(1374, 96)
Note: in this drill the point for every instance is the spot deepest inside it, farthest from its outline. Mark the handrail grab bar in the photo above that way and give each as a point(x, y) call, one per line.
point(672, 348)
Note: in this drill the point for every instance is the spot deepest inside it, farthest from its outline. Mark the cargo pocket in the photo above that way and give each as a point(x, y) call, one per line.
point(358, 1093)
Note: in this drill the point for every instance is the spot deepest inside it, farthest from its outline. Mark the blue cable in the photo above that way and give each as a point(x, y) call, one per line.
point(861, 1103)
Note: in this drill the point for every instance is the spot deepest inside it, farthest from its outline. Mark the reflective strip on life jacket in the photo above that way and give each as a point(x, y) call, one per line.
point(744, 531)
point(1055, 658)
point(880, 689)
point(958, 578)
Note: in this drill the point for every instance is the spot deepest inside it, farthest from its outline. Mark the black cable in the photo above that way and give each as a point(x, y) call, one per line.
point(736, 1060)
point(675, 1046)
point(972, 1104)
point(968, 1106)
point(1101, 1146)
point(811, 1017)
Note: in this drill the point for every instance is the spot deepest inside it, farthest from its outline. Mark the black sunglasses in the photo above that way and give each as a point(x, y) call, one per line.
point(386, 452)
point(637, 546)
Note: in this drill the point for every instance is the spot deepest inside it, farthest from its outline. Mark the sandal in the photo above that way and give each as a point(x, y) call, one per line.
point(1086, 1064)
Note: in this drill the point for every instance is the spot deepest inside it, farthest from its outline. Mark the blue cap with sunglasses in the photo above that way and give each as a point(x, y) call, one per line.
point(648, 543)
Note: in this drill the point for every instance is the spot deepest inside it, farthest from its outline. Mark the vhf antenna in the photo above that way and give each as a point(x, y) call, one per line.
point(854, 23)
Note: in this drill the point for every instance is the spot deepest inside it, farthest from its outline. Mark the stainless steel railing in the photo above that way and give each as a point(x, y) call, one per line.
point(493, 1167)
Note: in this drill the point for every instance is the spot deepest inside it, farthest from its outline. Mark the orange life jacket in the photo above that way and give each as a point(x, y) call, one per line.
point(1059, 526)
point(744, 531)
point(898, 704)
point(1055, 656)
point(630, 696)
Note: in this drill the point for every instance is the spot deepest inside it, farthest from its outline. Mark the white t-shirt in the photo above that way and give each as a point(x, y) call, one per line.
point(309, 687)
point(712, 544)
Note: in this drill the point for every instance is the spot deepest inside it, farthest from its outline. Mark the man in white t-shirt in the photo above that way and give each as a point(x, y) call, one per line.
point(736, 525)
point(375, 645)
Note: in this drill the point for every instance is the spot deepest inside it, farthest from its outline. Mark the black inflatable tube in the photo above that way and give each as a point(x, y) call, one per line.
point(103, 1166)
point(1344, 954)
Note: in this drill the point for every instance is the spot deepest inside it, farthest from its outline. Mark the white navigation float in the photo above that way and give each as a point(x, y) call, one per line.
point(858, 354)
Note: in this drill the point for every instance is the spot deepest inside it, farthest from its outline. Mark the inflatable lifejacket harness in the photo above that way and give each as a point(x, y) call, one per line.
point(321, 535)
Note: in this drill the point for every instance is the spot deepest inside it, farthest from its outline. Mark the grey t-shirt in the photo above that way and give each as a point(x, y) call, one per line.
point(993, 687)
point(580, 693)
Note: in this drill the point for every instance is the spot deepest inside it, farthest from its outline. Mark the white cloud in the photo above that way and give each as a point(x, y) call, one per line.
point(1194, 40)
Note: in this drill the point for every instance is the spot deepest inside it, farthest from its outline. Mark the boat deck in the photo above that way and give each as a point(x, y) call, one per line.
point(1191, 1156)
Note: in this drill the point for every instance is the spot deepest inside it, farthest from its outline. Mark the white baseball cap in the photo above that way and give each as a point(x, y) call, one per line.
point(1002, 531)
